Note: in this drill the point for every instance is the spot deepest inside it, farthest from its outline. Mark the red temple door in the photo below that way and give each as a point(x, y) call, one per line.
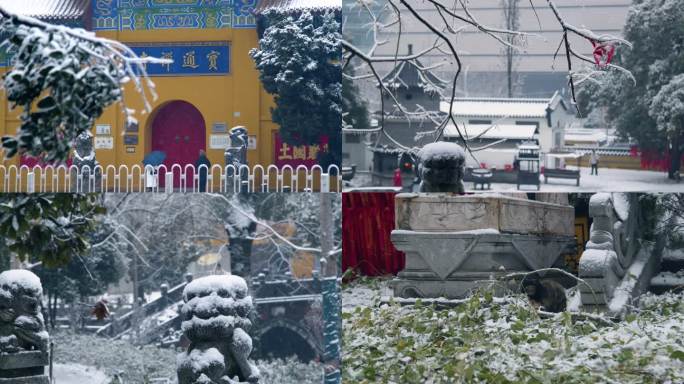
point(178, 130)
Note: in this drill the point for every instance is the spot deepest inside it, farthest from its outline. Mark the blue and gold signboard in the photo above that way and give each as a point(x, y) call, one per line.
point(189, 59)
point(172, 14)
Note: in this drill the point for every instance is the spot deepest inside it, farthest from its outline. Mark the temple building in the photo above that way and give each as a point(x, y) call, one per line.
point(211, 86)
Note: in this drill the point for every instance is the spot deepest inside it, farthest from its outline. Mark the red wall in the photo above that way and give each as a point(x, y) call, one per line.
point(367, 221)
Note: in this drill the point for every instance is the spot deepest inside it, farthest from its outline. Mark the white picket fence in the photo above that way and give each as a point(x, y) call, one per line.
point(177, 178)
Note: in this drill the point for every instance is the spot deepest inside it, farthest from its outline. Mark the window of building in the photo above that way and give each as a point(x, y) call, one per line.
point(535, 123)
point(479, 122)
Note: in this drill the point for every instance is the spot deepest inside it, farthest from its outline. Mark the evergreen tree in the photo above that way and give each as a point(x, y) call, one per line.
point(354, 109)
point(82, 277)
point(50, 228)
point(637, 106)
point(299, 60)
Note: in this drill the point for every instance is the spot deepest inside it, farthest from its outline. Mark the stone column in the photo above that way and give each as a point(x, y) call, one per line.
point(240, 248)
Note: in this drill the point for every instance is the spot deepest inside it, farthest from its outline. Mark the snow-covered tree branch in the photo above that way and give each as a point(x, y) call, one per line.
point(63, 79)
point(388, 22)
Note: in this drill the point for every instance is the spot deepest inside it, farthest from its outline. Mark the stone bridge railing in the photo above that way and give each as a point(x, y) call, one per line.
point(616, 264)
point(120, 325)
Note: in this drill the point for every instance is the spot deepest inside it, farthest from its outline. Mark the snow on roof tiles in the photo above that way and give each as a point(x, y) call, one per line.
point(286, 6)
point(499, 107)
point(499, 131)
point(47, 9)
point(407, 74)
point(586, 135)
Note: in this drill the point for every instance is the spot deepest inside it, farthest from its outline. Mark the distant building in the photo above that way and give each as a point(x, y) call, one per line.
point(418, 93)
point(496, 126)
point(588, 137)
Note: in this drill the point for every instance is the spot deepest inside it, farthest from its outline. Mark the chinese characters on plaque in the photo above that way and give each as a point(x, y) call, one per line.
point(189, 59)
point(286, 154)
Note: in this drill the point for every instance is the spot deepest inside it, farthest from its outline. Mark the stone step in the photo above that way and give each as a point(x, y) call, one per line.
point(673, 260)
point(667, 281)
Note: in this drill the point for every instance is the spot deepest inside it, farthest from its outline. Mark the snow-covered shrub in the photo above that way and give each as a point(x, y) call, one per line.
point(290, 371)
point(490, 340)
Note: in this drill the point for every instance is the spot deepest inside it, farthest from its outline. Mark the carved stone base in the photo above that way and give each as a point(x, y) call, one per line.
point(441, 264)
point(27, 367)
point(452, 213)
point(42, 379)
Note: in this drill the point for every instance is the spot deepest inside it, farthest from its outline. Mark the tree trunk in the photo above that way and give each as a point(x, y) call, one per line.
point(512, 22)
point(53, 311)
point(675, 156)
point(48, 311)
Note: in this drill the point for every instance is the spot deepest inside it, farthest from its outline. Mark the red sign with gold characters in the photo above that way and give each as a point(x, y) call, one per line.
point(307, 155)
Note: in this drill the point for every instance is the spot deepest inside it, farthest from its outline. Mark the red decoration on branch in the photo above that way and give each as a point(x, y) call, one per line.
point(603, 53)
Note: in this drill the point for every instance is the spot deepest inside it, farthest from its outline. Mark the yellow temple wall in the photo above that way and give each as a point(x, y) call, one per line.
point(235, 99)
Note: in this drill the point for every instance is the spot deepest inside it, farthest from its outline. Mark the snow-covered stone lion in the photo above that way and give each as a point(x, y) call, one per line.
point(441, 167)
point(22, 327)
point(215, 318)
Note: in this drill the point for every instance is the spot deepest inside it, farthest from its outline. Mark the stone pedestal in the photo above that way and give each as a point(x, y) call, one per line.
point(26, 367)
point(452, 243)
point(505, 213)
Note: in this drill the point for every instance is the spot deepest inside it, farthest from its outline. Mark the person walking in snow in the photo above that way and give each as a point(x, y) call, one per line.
point(202, 160)
point(396, 180)
point(594, 162)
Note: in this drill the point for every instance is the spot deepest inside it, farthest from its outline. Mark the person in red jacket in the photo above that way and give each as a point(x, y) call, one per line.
point(397, 178)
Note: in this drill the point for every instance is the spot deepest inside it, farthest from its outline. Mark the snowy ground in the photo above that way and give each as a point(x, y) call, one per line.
point(490, 340)
point(608, 180)
point(78, 374)
point(82, 358)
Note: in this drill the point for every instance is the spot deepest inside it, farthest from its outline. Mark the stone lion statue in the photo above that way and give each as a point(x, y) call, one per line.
point(441, 167)
point(22, 327)
point(84, 154)
point(85, 161)
point(215, 318)
point(236, 153)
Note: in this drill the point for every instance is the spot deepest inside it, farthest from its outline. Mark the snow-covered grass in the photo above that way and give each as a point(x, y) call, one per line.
point(290, 371)
point(138, 365)
point(134, 364)
point(78, 374)
point(493, 341)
